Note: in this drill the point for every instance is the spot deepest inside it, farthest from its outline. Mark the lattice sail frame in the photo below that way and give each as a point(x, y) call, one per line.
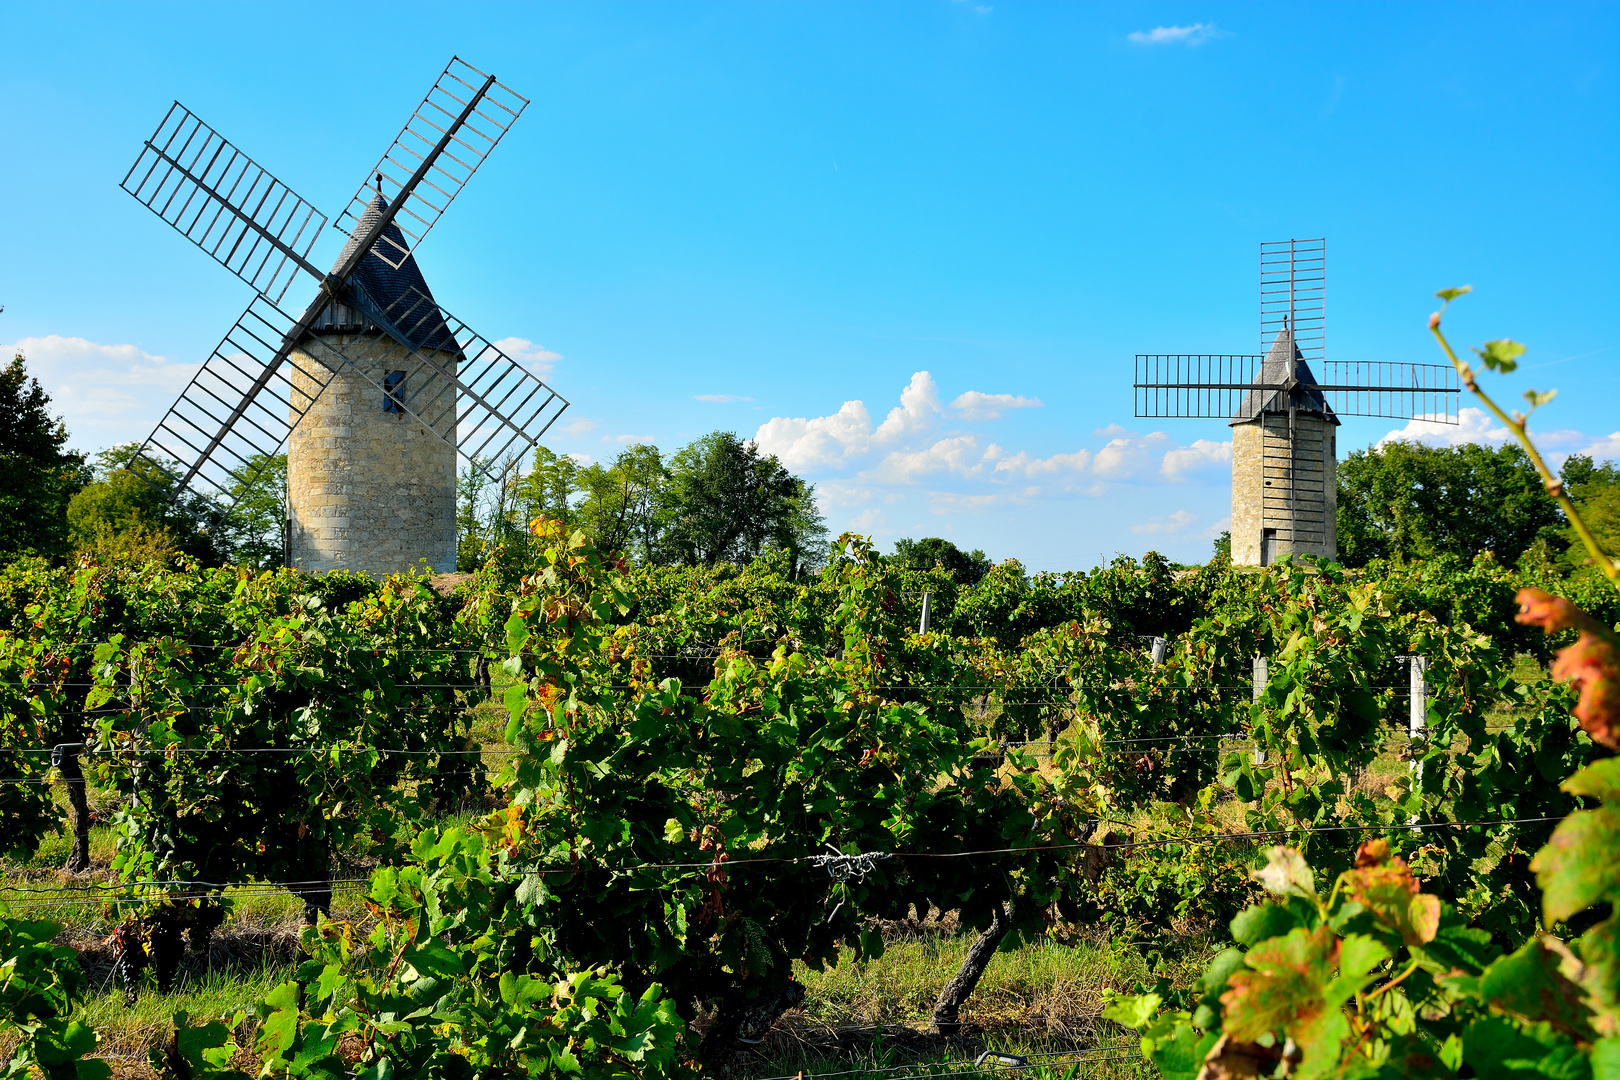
point(1222, 385)
point(1293, 294)
point(218, 198)
point(247, 355)
point(449, 172)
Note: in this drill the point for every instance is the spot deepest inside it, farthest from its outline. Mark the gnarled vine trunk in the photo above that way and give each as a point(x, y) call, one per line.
point(78, 858)
point(745, 1020)
point(949, 1006)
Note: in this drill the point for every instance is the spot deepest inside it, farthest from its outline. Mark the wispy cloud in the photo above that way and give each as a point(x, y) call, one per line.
point(579, 427)
point(1175, 523)
point(1196, 34)
point(537, 358)
point(974, 405)
point(720, 399)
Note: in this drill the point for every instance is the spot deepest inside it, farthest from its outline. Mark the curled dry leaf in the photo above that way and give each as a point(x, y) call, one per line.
point(1592, 664)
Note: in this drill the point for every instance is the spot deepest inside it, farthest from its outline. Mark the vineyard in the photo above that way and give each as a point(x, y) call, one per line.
point(573, 817)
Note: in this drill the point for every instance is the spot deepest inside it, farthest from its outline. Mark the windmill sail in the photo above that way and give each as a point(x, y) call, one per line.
point(447, 137)
point(219, 199)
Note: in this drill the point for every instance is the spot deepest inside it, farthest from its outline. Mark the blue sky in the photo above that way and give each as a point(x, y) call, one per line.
point(911, 247)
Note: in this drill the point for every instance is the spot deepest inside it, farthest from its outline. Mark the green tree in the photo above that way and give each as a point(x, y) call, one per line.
point(127, 511)
point(728, 502)
point(1596, 491)
point(1407, 501)
point(966, 566)
point(255, 532)
point(37, 475)
point(545, 491)
point(625, 505)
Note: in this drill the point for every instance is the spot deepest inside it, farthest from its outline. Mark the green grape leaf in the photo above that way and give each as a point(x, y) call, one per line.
point(1600, 954)
point(279, 1029)
point(1538, 398)
point(1456, 946)
point(1601, 780)
point(1606, 1058)
point(1577, 868)
point(1528, 984)
point(1133, 1010)
point(1501, 355)
point(1359, 957)
point(1498, 1049)
point(1452, 294)
point(1254, 925)
point(1181, 1057)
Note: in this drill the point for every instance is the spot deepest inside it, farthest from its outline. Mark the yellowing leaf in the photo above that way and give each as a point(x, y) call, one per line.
point(1286, 873)
point(1577, 868)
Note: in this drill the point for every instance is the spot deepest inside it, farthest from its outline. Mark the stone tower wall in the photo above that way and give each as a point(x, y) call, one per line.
point(368, 489)
point(1261, 492)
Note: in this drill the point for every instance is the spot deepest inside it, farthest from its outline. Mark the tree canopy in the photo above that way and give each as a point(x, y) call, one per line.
point(966, 566)
point(1407, 501)
point(717, 499)
point(38, 474)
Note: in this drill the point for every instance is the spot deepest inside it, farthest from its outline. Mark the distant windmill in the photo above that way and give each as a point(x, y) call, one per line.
point(374, 389)
point(1284, 460)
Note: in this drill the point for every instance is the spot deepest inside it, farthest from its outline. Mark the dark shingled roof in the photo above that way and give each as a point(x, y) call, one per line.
point(1274, 370)
point(419, 316)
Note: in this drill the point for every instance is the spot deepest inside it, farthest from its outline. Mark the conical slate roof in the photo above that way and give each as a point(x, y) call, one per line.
point(1283, 357)
point(415, 313)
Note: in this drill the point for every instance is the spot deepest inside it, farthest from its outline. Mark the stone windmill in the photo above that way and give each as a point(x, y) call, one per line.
point(374, 390)
point(1284, 421)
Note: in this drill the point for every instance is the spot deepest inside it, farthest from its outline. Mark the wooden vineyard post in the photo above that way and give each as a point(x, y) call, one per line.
point(922, 626)
point(1262, 675)
point(1417, 717)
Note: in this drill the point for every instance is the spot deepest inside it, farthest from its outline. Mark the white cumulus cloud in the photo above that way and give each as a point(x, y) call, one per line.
point(818, 441)
point(919, 410)
point(1202, 454)
point(107, 394)
point(974, 405)
point(1195, 34)
point(1605, 449)
point(1472, 426)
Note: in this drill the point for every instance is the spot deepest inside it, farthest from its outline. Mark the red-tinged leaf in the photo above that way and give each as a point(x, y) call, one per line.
point(1592, 664)
point(1282, 990)
point(1553, 613)
point(1384, 885)
point(1577, 868)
